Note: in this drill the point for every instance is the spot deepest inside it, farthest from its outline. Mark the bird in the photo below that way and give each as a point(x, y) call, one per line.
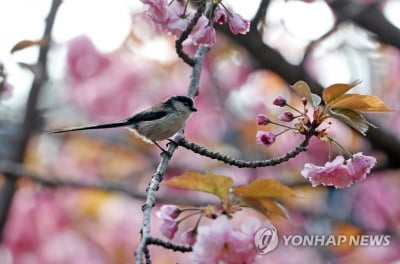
point(159, 122)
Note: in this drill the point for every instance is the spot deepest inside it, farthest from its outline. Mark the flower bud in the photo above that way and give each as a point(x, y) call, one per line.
point(168, 211)
point(304, 100)
point(262, 120)
point(168, 228)
point(265, 138)
point(279, 101)
point(238, 24)
point(286, 117)
point(189, 236)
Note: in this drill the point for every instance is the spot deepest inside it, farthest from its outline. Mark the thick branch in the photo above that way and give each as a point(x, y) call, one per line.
point(157, 178)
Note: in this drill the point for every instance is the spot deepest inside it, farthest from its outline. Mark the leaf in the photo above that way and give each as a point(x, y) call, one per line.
point(360, 103)
point(335, 90)
point(352, 118)
point(264, 188)
point(23, 44)
point(266, 206)
point(302, 88)
point(218, 185)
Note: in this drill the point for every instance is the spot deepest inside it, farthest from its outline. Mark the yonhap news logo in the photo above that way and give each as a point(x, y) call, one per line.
point(266, 239)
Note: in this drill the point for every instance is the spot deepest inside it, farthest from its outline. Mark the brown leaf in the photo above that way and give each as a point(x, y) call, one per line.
point(218, 185)
point(302, 88)
point(266, 206)
point(335, 90)
point(360, 103)
point(23, 44)
point(264, 188)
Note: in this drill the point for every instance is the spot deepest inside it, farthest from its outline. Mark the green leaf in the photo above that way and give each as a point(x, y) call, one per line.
point(218, 185)
point(352, 118)
point(335, 90)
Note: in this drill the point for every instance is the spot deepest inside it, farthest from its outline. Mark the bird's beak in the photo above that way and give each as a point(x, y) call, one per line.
point(193, 109)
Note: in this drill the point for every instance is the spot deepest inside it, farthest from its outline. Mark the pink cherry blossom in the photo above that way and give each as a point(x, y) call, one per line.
point(339, 173)
point(238, 24)
point(189, 236)
point(220, 17)
point(205, 35)
point(168, 228)
point(222, 243)
point(158, 10)
point(265, 138)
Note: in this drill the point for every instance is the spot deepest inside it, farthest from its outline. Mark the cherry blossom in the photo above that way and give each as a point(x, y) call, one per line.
point(265, 138)
point(340, 173)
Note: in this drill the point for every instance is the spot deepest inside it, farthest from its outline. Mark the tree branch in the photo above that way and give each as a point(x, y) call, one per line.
point(181, 141)
point(157, 177)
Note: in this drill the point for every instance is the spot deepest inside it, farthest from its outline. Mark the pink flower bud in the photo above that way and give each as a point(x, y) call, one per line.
point(205, 35)
point(238, 24)
point(286, 117)
point(304, 100)
point(280, 101)
point(220, 17)
point(265, 138)
point(262, 120)
point(168, 211)
point(168, 228)
point(189, 236)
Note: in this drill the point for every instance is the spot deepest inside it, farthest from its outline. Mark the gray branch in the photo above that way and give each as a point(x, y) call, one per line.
point(157, 177)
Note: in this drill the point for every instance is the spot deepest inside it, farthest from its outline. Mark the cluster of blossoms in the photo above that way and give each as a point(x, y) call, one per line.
point(175, 18)
point(219, 242)
point(339, 173)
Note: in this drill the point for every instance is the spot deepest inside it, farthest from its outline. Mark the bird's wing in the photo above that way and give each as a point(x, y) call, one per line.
point(147, 115)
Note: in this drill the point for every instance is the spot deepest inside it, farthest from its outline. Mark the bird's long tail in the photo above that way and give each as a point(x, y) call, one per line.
point(110, 125)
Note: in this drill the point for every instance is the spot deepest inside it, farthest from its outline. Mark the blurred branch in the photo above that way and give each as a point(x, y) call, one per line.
point(267, 58)
point(19, 171)
point(157, 177)
point(8, 189)
point(371, 18)
point(181, 141)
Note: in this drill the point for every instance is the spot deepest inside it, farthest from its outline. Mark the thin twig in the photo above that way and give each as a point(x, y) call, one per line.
point(185, 34)
point(181, 141)
point(168, 245)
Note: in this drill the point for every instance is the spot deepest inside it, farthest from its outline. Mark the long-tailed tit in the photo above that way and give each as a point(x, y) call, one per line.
point(156, 123)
